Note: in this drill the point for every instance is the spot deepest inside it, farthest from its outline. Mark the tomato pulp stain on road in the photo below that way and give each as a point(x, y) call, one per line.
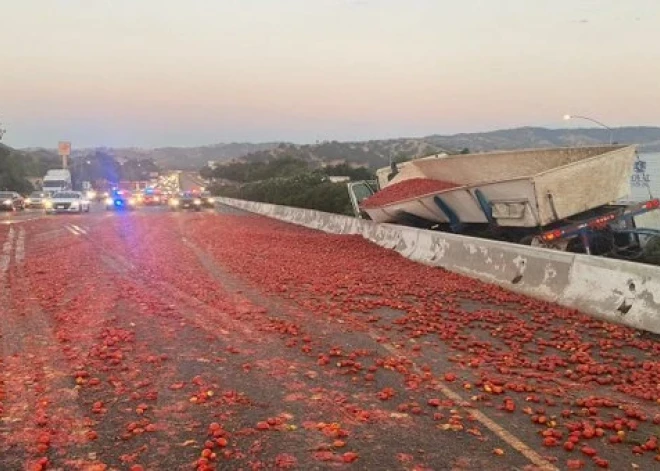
point(153, 340)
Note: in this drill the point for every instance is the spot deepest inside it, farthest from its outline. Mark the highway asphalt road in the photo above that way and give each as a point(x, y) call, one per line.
point(189, 181)
point(11, 217)
point(220, 340)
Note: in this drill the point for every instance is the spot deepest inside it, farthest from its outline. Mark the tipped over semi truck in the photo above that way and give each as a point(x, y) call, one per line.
point(560, 198)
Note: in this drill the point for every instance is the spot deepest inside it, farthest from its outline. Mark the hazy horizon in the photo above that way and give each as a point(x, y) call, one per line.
point(210, 144)
point(158, 74)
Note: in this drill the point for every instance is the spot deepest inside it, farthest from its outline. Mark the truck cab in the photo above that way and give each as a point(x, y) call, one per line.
point(56, 180)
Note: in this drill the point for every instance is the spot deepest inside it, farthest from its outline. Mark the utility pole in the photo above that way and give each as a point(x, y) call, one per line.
point(2, 131)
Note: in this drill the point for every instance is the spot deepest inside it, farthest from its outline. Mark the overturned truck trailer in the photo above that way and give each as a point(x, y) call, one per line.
point(562, 198)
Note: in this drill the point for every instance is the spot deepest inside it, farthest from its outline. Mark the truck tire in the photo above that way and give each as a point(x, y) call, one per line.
point(527, 240)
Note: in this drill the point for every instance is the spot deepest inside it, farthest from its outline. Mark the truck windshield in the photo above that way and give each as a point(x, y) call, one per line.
point(54, 183)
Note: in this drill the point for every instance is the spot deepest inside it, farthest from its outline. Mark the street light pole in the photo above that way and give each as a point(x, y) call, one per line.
point(573, 116)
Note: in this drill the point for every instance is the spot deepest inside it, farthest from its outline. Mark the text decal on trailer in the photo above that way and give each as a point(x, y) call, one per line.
point(640, 177)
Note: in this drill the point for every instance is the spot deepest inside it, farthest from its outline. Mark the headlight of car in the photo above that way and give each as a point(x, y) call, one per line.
point(131, 200)
point(28, 201)
point(197, 201)
point(211, 200)
point(75, 204)
point(91, 194)
point(7, 202)
point(48, 204)
point(174, 202)
point(108, 201)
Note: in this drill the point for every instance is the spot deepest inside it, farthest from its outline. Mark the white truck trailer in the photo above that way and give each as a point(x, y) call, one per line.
point(561, 198)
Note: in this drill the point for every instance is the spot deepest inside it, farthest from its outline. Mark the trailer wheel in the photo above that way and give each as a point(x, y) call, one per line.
point(533, 240)
point(576, 246)
point(652, 250)
point(527, 240)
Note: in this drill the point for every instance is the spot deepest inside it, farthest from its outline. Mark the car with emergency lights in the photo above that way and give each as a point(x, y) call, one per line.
point(120, 200)
point(152, 197)
point(185, 200)
point(37, 199)
point(67, 202)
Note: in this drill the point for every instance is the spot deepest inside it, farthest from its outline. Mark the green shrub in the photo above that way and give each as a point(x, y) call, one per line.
point(309, 190)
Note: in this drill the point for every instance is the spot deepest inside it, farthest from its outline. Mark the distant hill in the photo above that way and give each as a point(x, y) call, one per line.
point(530, 137)
point(181, 158)
point(367, 153)
point(378, 152)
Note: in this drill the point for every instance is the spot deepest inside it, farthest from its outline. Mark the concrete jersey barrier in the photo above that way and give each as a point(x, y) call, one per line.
point(613, 290)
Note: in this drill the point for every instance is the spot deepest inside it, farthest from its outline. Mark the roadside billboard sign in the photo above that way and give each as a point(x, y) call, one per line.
point(64, 149)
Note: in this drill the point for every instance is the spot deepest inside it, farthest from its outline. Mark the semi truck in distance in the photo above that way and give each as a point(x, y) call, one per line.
point(56, 180)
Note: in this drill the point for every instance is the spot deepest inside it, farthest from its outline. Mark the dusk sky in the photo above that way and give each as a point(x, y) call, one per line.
point(166, 72)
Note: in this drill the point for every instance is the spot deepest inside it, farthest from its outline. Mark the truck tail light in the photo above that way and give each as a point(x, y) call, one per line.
point(602, 221)
point(653, 204)
point(552, 235)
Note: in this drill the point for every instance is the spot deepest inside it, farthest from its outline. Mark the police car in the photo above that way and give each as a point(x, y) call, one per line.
point(152, 197)
point(120, 200)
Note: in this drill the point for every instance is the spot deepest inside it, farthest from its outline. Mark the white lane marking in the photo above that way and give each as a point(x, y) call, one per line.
point(71, 230)
point(10, 222)
point(20, 246)
point(6, 251)
point(514, 442)
point(79, 229)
